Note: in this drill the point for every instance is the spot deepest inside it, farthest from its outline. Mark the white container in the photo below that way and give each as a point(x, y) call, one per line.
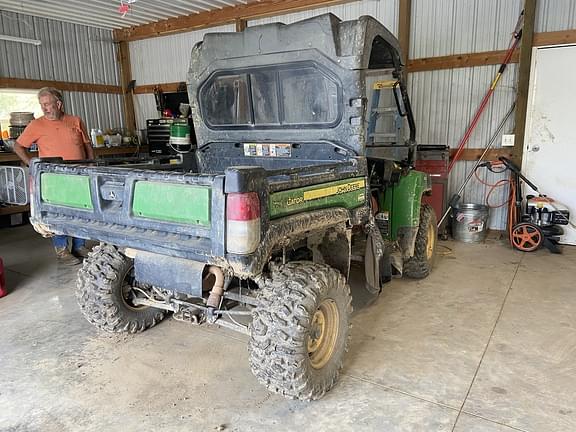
point(93, 140)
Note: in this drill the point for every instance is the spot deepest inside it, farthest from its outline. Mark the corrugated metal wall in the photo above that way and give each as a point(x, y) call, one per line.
point(385, 11)
point(68, 52)
point(162, 60)
point(444, 101)
point(446, 27)
point(555, 15)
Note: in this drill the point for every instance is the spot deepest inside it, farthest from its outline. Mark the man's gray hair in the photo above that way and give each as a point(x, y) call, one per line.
point(52, 92)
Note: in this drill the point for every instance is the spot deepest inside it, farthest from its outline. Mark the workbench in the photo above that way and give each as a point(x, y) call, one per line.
point(101, 151)
point(8, 157)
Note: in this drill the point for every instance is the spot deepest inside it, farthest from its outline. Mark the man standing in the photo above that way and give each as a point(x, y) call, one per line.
point(57, 135)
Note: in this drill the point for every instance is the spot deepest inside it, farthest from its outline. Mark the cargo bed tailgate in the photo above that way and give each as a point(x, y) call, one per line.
point(165, 212)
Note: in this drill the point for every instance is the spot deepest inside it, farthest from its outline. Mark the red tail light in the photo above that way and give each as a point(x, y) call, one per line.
point(242, 222)
point(243, 206)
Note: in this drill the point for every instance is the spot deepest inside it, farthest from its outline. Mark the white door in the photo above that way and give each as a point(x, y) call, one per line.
point(550, 140)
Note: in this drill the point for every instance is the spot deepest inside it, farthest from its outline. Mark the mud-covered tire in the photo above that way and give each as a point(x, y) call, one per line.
point(101, 297)
point(420, 265)
point(291, 352)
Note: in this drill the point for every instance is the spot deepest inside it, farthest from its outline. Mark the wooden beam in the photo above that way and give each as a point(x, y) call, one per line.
point(165, 87)
point(125, 79)
point(526, 45)
point(473, 154)
point(555, 38)
point(488, 57)
point(226, 15)
point(404, 19)
point(241, 25)
point(21, 83)
point(459, 61)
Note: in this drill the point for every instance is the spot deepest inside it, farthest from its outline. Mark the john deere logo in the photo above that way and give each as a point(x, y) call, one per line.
point(352, 192)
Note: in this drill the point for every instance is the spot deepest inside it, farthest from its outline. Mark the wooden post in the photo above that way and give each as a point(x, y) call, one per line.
point(125, 78)
point(241, 25)
point(404, 18)
point(524, 79)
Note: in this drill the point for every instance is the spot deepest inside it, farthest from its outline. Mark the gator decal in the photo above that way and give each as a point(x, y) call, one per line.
point(350, 193)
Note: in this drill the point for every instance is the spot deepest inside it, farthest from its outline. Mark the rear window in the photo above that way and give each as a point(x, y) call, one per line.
point(303, 96)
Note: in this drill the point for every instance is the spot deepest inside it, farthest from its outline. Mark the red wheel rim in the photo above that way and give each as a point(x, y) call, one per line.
point(526, 237)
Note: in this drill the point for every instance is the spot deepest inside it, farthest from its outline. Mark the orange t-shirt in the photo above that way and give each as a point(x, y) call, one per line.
point(65, 138)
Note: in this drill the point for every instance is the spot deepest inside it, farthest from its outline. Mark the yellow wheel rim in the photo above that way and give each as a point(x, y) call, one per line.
point(323, 334)
point(431, 242)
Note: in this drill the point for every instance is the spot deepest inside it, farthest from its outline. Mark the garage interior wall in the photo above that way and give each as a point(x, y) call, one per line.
point(69, 53)
point(444, 101)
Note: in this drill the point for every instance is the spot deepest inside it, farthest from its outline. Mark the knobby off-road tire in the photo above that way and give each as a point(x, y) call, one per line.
point(300, 330)
point(420, 265)
point(102, 291)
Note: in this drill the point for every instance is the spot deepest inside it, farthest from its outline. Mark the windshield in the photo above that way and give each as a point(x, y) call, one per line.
point(302, 96)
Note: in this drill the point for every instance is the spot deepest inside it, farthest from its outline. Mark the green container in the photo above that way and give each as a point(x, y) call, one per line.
point(180, 133)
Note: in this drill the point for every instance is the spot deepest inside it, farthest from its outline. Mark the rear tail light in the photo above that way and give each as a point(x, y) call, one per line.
point(242, 222)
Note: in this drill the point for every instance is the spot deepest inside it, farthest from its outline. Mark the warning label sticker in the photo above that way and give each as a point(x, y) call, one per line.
point(267, 150)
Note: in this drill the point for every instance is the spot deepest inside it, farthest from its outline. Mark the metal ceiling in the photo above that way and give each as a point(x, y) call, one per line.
point(105, 14)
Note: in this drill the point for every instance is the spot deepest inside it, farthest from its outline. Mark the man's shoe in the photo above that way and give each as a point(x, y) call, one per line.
point(67, 258)
point(82, 252)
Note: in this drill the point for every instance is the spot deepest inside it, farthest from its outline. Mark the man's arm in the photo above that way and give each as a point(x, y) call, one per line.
point(86, 141)
point(89, 151)
point(25, 140)
point(22, 153)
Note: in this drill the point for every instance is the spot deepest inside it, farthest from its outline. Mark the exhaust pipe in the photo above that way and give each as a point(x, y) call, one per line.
point(217, 290)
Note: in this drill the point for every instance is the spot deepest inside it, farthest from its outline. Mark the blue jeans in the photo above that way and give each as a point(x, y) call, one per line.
point(61, 242)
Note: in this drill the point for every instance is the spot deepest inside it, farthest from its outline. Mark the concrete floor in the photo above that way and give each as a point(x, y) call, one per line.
point(486, 343)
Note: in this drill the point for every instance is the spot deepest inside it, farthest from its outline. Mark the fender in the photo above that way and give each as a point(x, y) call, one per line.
point(402, 201)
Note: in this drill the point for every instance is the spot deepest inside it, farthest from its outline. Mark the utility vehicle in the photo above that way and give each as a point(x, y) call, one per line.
point(305, 148)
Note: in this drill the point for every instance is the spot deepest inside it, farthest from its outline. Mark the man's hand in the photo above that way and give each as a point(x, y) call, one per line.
point(22, 153)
